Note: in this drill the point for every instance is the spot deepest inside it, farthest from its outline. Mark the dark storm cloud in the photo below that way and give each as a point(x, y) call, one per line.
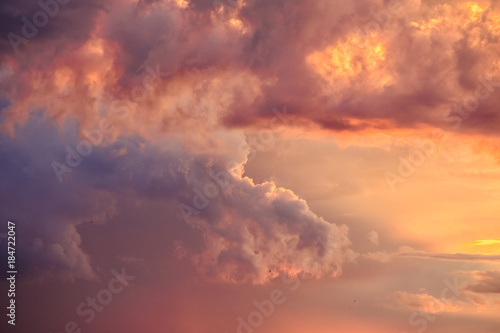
point(47, 211)
point(68, 22)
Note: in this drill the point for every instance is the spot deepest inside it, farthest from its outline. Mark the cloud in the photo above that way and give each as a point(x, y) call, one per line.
point(69, 23)
point(226, 73)
point(477, 299)
point(46, 214)
point(380, 256)
point(425, 302)
point(246, 231)
point(261, 231)
point(486, 282)
point(228, 69)
point(343, 78)
point(405, 251)
point(449, 256)
point(373, 237)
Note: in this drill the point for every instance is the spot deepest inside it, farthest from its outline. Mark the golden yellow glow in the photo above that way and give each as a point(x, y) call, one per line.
point(488, 245)
point(182, 3)
point(482, 246)
point(238, 24)
point(427, 27)
point(449, 18)
point(487, 242)
point(353, 59)
point(472, 9)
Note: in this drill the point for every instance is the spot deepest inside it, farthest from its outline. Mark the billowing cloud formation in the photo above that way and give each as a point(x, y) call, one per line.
point(178, 73)
point(316, 61)
point(49, 213)
point(250, 232)
point(149, 134)
point(259, 231)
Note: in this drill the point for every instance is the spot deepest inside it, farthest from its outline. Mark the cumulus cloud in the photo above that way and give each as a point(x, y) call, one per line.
point(227, 68)
point(247, 229)
point(180, 84)
point(317, 62)
point(262, 231)
point(47, 214)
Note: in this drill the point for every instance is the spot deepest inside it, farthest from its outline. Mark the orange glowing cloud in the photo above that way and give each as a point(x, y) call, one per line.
point(350, 60)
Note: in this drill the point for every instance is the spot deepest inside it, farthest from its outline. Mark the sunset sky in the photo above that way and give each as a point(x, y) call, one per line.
point(251, 166)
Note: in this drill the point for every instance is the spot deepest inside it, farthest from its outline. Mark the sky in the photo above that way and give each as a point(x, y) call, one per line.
point(250, 166)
